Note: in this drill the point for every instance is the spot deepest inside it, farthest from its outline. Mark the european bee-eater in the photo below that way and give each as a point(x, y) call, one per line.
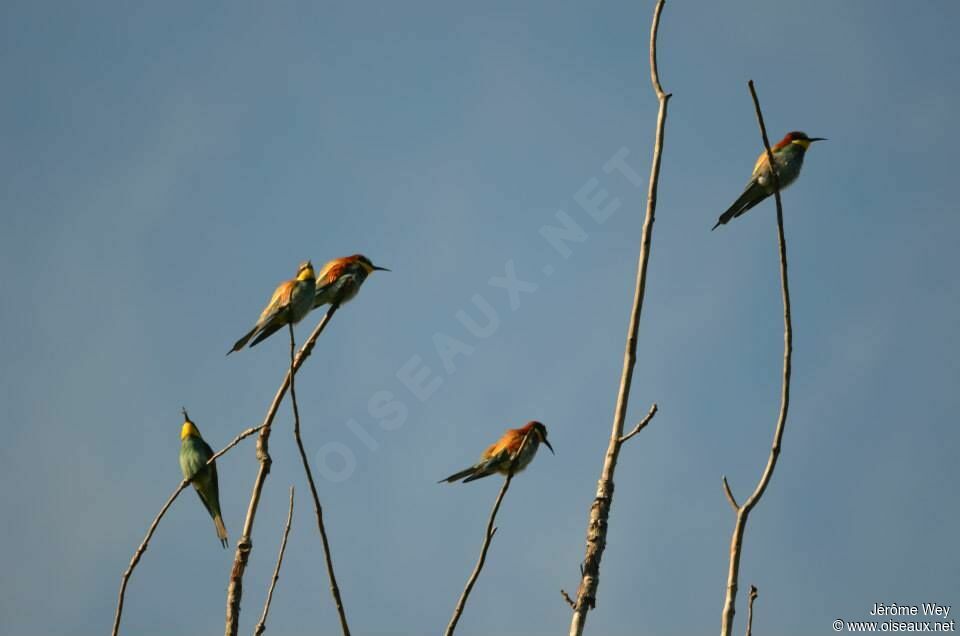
point(788, 155)
point(194, 455)
point(499, 456)
point(341, 278)
point(291, 301)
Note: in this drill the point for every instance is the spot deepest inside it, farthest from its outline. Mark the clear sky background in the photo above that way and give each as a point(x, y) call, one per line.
point(163, 167)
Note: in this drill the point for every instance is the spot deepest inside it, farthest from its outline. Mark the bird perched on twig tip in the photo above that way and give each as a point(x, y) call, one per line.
point(513, 451)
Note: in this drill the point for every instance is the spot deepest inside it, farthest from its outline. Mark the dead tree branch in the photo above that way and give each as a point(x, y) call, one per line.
point(750, 599)
point(487, 538)
point(262, 625)
point(641, 424)
point(334, 588)
point(245, 543)
point(743, 512)
point(156, 521)
point(600, 509)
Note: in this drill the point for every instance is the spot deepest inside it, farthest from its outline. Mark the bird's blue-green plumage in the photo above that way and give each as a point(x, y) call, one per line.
point(194, 455)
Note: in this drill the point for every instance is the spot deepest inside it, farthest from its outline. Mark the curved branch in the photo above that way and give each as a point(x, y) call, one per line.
point(729, 494)
point(245, 544)
point(156, 521)
point(743, 512)
point(262, 625)
point(642, 424)
point(334, 588)
point(600, 509)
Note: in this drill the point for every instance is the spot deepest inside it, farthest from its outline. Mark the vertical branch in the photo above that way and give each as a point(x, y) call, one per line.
point(334, 588)
point(600, 510)
point(487, 538)
point(262, 625)
point(245, 543)
point(153, 527)
point(750, 599)
point(743, 511)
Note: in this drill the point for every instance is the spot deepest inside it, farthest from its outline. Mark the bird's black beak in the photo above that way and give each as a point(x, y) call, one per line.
point(549, 446)
point(813, 139)
point(380, 269)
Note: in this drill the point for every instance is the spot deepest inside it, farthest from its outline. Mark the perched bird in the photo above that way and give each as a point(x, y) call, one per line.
point(788, 155)
point(500, 455)
point(341, 278)
point(291, 301)
point(194, 455)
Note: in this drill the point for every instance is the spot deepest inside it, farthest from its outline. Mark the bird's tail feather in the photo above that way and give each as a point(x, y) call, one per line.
point(480, 474)
point(221, 530)
point(242, 342)
point(753, 195)
point(457, 476)
point(267, 332)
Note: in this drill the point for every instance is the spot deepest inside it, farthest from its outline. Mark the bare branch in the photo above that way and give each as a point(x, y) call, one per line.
point(262, 625)
point(600, 509)
point(156, 521)
point(729, 494)
point(566, 597)
point(245, 543)
point(488, 536)
point(318, 509)
point(743, 512)
point(641, 424)
point(750, 599)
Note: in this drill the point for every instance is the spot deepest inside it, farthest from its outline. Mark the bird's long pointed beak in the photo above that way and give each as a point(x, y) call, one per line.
point(549, 446)
point(381, 269)
point(813, 139)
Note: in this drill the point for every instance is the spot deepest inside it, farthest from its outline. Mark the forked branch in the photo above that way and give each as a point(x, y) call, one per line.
point(245, 543)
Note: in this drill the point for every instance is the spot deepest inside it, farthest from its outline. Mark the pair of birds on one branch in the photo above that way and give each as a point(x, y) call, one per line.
point(340, 280)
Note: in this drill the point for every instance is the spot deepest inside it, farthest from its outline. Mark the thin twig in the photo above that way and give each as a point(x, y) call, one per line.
point(487, 537)
point(566, 597)
point(334, 588)
point(245, 544)
point(729, 494)
point(600, 509)
point(262, 625)
point(156, 521)
point(641, 424)
point(743, 512)
point(750, 599)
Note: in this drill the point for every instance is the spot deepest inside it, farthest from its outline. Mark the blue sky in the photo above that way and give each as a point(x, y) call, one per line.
point(164, 166)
